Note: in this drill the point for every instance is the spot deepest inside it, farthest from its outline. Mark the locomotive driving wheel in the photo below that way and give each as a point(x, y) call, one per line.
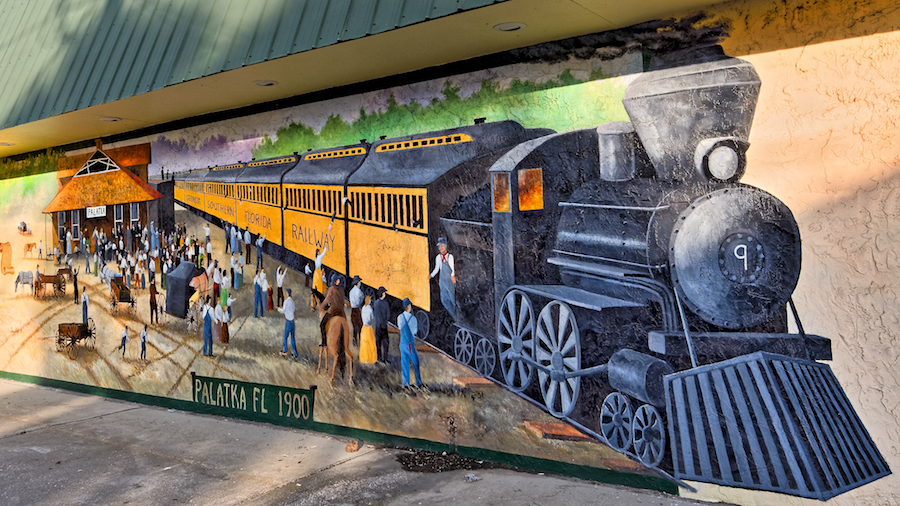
point(463, 346)
point(649, 435)
point(485, 357)
point(558, 354)
point(515, 337)
point(616, 418)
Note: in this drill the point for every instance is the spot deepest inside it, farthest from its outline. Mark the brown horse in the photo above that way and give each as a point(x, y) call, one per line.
point(337, 333)
point(29, 249)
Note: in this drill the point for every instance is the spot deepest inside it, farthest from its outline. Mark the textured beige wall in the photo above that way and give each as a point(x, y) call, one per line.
point(826, 140)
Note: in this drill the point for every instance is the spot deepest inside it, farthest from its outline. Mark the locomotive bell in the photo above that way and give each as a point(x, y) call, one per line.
point(735, 256)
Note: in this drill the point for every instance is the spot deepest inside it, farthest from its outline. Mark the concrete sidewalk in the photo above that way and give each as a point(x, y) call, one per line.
point(63, 448)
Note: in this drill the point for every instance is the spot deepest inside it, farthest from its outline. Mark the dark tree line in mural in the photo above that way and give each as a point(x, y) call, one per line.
point(622, 276)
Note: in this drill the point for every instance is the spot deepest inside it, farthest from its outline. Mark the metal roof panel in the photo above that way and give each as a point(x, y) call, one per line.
point(442, 8)
point(336, 13)
point(387, 15)
point(58, 56)
point(359, 19)
point(41, 81)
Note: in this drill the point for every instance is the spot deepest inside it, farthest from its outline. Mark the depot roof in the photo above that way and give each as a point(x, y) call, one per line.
point(101, 182)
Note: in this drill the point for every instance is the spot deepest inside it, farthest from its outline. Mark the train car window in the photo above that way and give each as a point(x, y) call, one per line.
point(421, 213)
point(408, 211)
point(367, 210)
point(396, 211)
point(380, 214)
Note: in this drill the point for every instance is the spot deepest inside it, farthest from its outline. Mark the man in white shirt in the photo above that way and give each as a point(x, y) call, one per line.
point(217, 280)
point(357, 297)
point(280, 273)
point(247, 243)
point(125, 339)
point(206, 231)
point(144, 343)
point(289, 327)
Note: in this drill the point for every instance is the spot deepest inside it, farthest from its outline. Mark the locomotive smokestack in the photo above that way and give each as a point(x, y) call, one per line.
point(694, 119)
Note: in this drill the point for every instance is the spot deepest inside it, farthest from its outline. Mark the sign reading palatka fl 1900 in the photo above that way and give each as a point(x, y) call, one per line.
point(254, 401)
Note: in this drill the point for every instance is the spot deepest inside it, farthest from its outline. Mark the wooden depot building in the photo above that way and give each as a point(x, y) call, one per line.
point(102, 189)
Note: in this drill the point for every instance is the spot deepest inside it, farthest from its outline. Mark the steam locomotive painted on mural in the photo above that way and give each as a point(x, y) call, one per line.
point(627, 256)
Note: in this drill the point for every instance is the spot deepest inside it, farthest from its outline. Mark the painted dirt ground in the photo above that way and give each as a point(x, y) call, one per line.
point(491, 418)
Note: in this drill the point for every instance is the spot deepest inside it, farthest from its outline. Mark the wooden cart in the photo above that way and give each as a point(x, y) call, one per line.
point(70, 334)
point(58, 282)
point(120, 294)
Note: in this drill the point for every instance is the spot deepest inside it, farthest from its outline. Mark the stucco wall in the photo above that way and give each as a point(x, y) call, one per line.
point(826, 140)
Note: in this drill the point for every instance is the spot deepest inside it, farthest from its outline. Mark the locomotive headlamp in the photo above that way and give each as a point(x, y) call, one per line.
point(721, 159)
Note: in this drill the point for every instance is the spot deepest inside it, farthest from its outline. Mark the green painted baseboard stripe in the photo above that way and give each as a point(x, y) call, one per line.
point(520, 461)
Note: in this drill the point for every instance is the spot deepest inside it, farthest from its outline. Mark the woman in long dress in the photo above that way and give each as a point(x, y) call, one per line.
point(223, 291)
point(318, 279)
point(218, 316)
point(367, 351)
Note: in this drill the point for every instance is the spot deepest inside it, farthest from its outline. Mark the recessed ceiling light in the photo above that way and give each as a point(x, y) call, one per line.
point(7, 144)
point(265, 82)
point(110, 119)
point(509, 27)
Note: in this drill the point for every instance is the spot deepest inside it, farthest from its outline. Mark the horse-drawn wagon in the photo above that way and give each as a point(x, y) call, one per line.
point(69, 334)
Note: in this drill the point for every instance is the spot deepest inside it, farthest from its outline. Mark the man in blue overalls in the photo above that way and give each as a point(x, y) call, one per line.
point(84, 306)
point(259, 252)
point(443, 264)
point(207, 328)
point(408, 354)
point(257, 296)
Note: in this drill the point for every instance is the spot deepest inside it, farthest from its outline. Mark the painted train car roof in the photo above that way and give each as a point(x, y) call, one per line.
point(221, 175)
point(328, 166)
point(268, 171)
point(194, 175)
point(398, 164)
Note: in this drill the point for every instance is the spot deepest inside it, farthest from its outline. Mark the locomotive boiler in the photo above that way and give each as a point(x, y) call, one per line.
point(631, 259)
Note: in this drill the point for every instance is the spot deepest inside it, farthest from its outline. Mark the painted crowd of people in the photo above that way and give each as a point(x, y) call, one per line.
point(140, 252)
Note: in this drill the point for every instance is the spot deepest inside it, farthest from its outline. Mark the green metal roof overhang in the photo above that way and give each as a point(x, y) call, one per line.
point(68, 65)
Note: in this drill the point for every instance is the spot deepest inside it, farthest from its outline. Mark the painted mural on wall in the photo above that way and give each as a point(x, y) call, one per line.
point(577, 247)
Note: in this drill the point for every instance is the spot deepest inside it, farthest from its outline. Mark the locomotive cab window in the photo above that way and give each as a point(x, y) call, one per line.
point(531, 189)
point(500, 182)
